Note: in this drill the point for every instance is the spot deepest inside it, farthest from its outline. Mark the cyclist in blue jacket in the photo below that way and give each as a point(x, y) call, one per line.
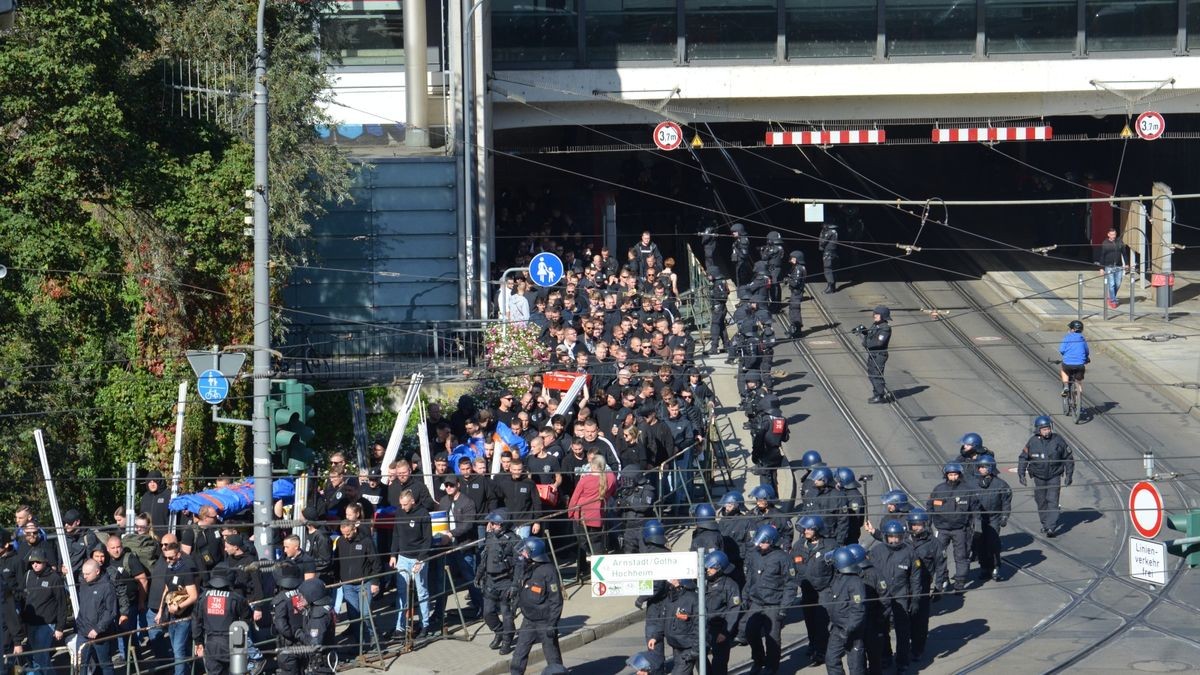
point(1075, 355)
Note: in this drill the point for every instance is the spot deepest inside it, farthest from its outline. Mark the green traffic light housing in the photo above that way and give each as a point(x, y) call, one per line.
point(289, 416)
point(1189, 546)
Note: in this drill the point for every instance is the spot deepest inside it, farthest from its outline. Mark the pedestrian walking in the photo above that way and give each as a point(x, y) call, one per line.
point(1048, 459)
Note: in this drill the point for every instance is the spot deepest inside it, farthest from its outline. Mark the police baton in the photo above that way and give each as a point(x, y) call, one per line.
point(239, 657)
point(864, 479)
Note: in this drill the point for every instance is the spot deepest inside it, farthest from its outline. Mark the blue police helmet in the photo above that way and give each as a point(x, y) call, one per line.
point(498, 517)
point(810, 459)
point(844, 561)
point(706, 517)
point(845, 477)
point(895, 527)
point(917, 515)
point(732, 497)
point(952, 467)
point(860, 553)
point(647, 661)
point(822, 473)
point(766, 534)
point(972, 439)
point(896, 497)
point(718, 560)
point(1042, 421)
point(536, 548)
point(987, 461)
point(763, 492)
point(815, 523)
point(653, 532)
point(688, 584)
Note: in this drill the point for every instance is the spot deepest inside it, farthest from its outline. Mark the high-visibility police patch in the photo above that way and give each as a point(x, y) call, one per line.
point(857, 599)
point(214, 605)
point(798, 559)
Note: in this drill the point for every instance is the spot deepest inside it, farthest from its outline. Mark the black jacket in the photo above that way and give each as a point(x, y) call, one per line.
point(1046, 458)
point(413, 535)
point(951, 505)
point(463, 518)
point(355, 559)
point(722, 602)
point(811, 561)
point(683, 618)
point(216, 610)
point(995, 501)
point(844, 601)
point(877, 337)
point(769, 578)
point(520, 497)
point(899, 574)
point(97, 607)
point(420, 493)
point(45, 599)
point(540, 598)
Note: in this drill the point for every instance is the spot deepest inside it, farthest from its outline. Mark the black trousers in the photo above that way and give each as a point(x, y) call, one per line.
point(898, 622)
point(1045, 494)
point(589, 541)
point(876, 361)
point(849, 645)
point(816, 621)
point(216, 653)
point(987, 549)
point(498, 609)
point(685, 660)
point(918, 623)
point(875, 641)
point(958, 544)
point(795, 302)
point(545, 632)
point(763, 628)
point(716, 328)
point(718, 664)
point(829, 261)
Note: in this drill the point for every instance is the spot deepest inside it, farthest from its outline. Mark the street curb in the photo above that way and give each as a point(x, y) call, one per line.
point(579, 638)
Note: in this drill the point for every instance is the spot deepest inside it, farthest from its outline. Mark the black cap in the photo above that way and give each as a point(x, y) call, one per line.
point(314, 591)
point(441, 457)
point(70, 516)
point(648, 409)
point(236, 540)
point(450, 479)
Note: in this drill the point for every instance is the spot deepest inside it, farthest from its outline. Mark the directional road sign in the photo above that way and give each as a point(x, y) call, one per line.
point(1148, 561)
point(1146, 509)
point(545, 269)
point(644, 566)
point(213, 386)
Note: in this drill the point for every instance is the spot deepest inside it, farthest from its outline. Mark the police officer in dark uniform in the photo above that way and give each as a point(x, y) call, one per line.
point(766, 350)
point(736, 530)
point(852, 498)
point(286, 618)
point(827, 242)
point(952, 505)
point(796, 278)
point(708, 240)
point(896, 507)
point(875, 340)
point(1048, 458)
point(316, 629)
point(740, 256)
point(218, 607)
point(811, 459)
point(811, 558)
point(847, 615)
point(970, 449)
point(719, 315)
point(541, 603)
point(682, 627)
point(722, 602)
point(654, 540)
point(875, 626)
point(494, 576)
point(771, 253)
point(766, 512)
point(929, 556)
point(824, 500)
point(636, 495)
point(12, 629)
point(995, 505)
point(770, 585)
point(749, 357)
point(707, 534)
point(899, 571)
point(770, 431)
point(758, 290)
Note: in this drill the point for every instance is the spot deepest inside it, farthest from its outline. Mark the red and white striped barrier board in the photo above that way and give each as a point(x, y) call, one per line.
point(826, 137)
point(985, 134)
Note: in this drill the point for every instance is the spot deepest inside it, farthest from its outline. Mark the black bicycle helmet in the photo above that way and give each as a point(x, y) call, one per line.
point(1076, 326)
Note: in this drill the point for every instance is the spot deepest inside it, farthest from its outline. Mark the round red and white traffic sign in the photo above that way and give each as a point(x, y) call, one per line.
point(1150, 125)
point(668, 135)
point(1146, 509)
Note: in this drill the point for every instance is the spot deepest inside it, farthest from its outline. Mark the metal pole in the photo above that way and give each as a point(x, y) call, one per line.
point(1132, 295)
point(177, 462)
point(1079, 299)
point(130, 496)
point(701, 590)
point(416, 74)
point(262, 300)
point(59, 530)
point(1148, 463)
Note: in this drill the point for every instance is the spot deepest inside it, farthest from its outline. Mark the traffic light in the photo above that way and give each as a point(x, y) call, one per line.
point(1189, 546)
point(289, 415)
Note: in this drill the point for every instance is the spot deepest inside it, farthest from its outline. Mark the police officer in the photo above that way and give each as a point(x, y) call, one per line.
point(541, 603)
point(752, 391)
point(736, 529)
point(899, 571)
point(740, 255)
point(770, 432)
point(896, 506)
point(766, 350)
point(875, 340)
point(852, 498)
point(995, 505)
point(827, 242)
point(682, 627)
point(707, 534)
point(316, 628)
point(636, 495)
point(654, 540)
point(952, 505)
point(708, 240)
point(770, 584)
point(719, 315)
point(847, 615)
point(494, 575)
point(970, 449)
point(795, 282)
point(875, 625)
point(286, 617)
point(811, 559)
point(749, 357)
point(824, 500)
point(218, 607)
point(722, 602)
point(810, 460)
point(1046, 457)
point(765, 512)
point(771, 254)
point(929, 554)
point(12, 629)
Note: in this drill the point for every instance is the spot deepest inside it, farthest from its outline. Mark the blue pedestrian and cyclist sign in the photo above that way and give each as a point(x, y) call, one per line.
point(546, 269)
point(213, 386)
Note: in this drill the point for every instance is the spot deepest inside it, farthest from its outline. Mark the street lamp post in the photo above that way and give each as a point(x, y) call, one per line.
point(470, 207)
point(262, 302)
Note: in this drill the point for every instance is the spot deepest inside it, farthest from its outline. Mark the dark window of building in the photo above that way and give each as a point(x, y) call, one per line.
point(1131, 25)
point(534, 30)
point(1030, 26)
point(1193, 24)
point(366, 36)
point(731, 29)
point(630, 30)
point(930, 27)
point(831, 29)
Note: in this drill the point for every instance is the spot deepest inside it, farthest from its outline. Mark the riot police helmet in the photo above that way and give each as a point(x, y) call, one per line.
point(766, 534)
point(762, 491)
point(1042, 422)
point(822, 473)
point(844, 561)
point(706, 517)
point(845, 477)
point(732, 497)
point(952, 467)
point(654, 533)
point(917, 515)
point(894, 498)
point(537, 549)
point(987, 462)
point(972, 439)
point(719, 561)
point(814, 523)
point(810, 459)
point(894, 528)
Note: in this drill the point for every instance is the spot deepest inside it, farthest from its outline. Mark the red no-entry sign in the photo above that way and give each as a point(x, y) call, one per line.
point(1146, 509)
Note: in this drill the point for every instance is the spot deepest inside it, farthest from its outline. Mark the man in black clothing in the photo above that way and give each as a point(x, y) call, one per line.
point(202, 541)
point(219, 606)
point(411, 542)
point(495, 577)
point(154, 502)
point(403, 479)
point(97, 616)
point(316, 627)
point(520, 498)
point(286, 618)
point(318, 544)
point(131, 580)
point(875, 340)
point(464, 517)
point(44, 614)
point(12, 630)
point(357, 565)
point(541, 603)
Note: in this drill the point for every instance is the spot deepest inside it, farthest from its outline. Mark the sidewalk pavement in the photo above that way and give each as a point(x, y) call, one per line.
point(585, 619)
point(1143, 344)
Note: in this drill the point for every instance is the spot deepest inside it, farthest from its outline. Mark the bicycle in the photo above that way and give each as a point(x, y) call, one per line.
point(1072, 400)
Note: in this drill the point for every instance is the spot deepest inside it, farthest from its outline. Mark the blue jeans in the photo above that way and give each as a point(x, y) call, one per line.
point(358, 599)
point(122, 642)
point(180, 633)
point(404, 572)
point(1113, 275)
point(101, 652)
point(40, 639)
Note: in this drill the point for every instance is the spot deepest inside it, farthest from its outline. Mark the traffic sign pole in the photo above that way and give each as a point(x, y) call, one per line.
point(701, 590)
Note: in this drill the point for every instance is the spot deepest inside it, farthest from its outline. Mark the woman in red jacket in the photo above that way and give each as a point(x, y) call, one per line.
point(586, 509)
